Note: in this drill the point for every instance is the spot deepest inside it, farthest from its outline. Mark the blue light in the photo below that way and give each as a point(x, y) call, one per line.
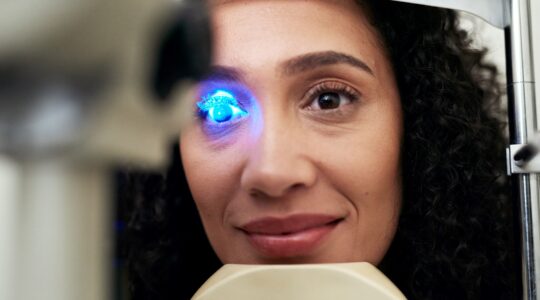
point(221, 113)
point(221, 107)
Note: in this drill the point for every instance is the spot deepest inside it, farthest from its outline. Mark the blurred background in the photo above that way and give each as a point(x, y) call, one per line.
point(108, 49)
point(84, 92)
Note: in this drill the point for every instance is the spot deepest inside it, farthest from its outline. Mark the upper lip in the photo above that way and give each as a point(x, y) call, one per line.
point(287, 225)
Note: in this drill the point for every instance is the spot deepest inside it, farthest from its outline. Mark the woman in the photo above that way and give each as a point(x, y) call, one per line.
point(335, 131)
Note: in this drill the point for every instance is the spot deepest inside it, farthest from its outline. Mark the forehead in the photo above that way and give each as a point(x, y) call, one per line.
point(278, 28)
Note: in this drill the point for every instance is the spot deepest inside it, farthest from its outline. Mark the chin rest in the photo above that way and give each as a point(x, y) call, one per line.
point(344, 281)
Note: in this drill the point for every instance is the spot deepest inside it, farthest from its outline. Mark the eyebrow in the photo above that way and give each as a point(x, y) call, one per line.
point(314, 60)
point(293, 66)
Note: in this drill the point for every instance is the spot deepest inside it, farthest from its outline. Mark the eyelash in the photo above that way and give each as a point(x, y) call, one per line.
point(330, 87)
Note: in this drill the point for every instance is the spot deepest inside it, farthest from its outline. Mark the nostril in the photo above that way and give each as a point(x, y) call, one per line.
point(296, 186)
point(255, 194)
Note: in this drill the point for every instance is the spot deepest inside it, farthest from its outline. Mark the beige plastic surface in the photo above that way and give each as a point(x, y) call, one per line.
point(346, 281)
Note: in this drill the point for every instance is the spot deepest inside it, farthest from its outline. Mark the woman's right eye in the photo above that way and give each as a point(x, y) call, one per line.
point(220, 107)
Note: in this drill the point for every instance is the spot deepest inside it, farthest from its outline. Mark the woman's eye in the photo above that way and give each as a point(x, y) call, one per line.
point(220, 107)
point(221, 113)
point(330, 100)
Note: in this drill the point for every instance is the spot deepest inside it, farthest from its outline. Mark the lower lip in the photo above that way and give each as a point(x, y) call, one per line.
point(291, 245)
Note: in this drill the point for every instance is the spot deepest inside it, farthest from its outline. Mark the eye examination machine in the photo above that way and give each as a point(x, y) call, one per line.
point(79, 97)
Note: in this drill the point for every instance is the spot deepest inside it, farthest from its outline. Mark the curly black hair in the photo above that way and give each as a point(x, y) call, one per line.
point(454, 239)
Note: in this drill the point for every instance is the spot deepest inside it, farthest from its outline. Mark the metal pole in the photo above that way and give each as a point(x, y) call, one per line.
point(524, 123)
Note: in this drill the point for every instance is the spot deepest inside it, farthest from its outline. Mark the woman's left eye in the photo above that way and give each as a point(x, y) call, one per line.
point(330, 97)
point(220, 108)
point(330, 100)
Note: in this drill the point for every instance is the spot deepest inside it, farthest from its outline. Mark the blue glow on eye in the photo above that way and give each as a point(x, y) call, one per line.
point(221, 107)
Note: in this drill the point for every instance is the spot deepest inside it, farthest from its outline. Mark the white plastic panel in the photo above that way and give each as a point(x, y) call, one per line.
point(493, 11)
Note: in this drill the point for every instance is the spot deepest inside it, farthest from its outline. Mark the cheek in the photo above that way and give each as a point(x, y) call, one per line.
point(210, 175)
point(369, 175)
point(364, 167)
point(366, 162)
point(213, 179)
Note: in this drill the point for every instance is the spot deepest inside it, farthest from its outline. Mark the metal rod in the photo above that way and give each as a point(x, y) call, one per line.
point(524, 124)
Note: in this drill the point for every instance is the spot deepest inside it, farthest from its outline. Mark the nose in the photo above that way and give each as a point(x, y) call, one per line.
point(278, 162)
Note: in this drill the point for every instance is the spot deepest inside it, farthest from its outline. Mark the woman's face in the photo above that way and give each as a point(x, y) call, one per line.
point(295, 153)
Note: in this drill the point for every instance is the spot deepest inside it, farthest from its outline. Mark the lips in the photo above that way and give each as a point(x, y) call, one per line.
point(293, 236)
